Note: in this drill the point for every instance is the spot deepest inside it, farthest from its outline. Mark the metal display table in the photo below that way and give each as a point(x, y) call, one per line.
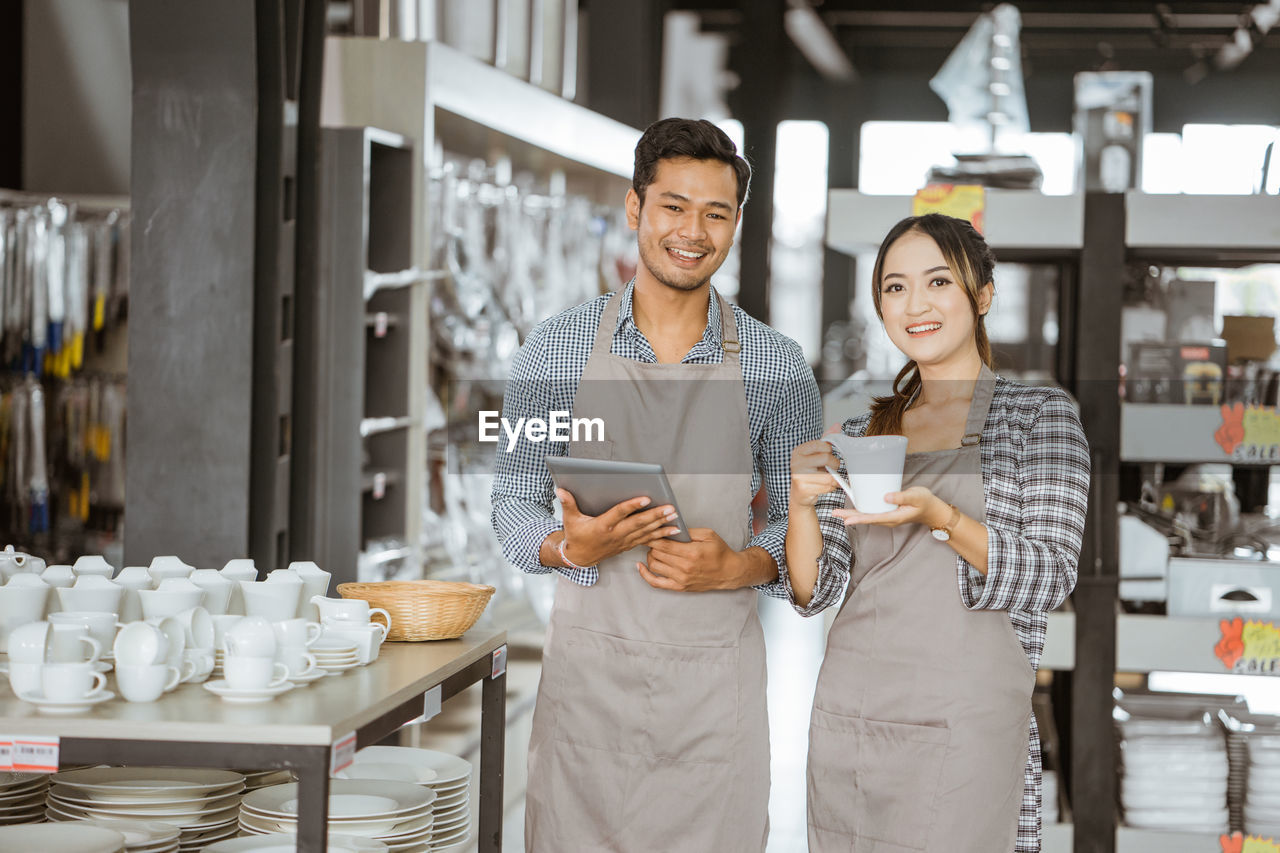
point(192, 727)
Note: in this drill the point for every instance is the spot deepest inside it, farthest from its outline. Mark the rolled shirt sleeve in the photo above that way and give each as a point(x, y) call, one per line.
point(1035, 568)
point(523, 495)
point(797, 418)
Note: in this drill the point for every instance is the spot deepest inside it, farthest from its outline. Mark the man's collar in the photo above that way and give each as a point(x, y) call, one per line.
point(711, 334)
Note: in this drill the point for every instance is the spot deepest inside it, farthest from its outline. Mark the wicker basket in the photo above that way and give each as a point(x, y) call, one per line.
point(424, 610)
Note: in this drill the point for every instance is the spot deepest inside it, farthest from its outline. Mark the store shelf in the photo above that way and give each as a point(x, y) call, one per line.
point(1217, 226)
point(1131, 840)
point(1148, 643)
point(1169, 432)
point(1014, 219)
point(433, 93)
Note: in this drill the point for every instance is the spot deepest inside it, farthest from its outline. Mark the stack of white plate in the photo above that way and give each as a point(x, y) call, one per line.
point(1262, 790)
point(60, 838)
point(396, 813)
point(255, 779)
point(1049, 797)
point(448, 775)
point(22, 797)
point(1174, 775)
point(335, 656)
point(142, 836)
point(203, 804)
point(278, 842)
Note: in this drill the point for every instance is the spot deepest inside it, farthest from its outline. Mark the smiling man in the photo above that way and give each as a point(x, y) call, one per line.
point(651, 731)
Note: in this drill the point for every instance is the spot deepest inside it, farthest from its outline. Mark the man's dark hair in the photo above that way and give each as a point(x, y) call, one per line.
point(699, 139)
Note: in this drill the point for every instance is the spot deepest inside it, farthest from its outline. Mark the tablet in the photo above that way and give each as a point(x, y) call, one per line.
point(598, 485)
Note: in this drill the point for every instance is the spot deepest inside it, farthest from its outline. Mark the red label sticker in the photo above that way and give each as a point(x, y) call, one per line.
point(36, 754)
point(343, 753)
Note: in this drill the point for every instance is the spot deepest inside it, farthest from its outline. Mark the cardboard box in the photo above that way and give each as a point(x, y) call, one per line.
point(1190, 373)
point(1249, 338)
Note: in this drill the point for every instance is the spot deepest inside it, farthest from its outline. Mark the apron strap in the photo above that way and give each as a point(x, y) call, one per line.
point(983, 391)
point(728, 330)
point(608, 325)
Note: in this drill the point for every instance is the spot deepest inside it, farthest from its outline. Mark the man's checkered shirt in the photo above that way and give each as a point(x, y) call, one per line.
point(783, 407)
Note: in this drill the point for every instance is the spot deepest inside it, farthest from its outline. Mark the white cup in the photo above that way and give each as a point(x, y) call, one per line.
point(297, 660)
point(146, 683)
point(222, 624)
point(197, 625)
point(140, 644)
point(41, 642)
point(253, 673)
point(296, 632)
point(101, 626)
point(252, 636)
point(350, 611)
point(874, 464)
point(175, 639)
point(68, 682)
point(201, 663)
point(25, 678)
point(91, 593)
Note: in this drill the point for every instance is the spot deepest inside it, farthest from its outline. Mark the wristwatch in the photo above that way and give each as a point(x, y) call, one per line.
point(943, 534)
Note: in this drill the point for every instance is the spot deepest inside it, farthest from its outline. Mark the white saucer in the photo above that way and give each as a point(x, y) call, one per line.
point(338, 669)
point(229, 694)
point(308, 677)
point(73, 706)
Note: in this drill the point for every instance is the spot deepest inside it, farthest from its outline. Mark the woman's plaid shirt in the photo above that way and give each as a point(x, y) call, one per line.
point(1035, 473)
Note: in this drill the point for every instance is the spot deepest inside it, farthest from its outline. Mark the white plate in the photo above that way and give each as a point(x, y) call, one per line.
point(140, 833)
point(301, 680)
point(449, 814)
point(450, 837)
point(409, 798)
point(60, 838)
point(450, 845)
point(389, 771)
point(448, 768)
point(131, 783)
point(187, 823)
point(178, 805)
point(230, 694)
point(283, 843)
point(14, 782)
point(338, 669)
point(350, 806)
point(411, 822)
point(72, 706)
point(149, 811)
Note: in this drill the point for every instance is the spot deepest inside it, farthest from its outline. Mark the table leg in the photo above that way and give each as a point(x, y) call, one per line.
point(493, 725)
point(313, 802)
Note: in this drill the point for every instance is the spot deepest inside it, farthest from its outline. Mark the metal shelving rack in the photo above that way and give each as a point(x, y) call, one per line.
point(438, 100)
point(355, 429)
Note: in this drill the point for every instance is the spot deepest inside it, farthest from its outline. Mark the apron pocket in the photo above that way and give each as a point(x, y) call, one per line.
point(875, 780)
point(676, 703)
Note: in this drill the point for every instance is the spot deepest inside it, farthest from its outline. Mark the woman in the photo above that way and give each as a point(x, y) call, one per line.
point(922, 736)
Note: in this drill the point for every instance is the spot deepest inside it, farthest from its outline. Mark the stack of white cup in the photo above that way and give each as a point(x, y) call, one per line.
point(350, 620)
point(142, 670)
point(250, 657)
point(293, 638)
point(58, 662)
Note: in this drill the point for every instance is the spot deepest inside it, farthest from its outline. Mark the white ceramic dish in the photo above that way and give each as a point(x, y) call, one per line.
point(448, 768)
point(388, 772)
point(284, 843)
point(408, 798)
point(230, 694)
point(60, 838)
point(350, 806)
point(138, 834)
point(113, 783)
point(71, 706)
point(308, 678)
point(197, 805)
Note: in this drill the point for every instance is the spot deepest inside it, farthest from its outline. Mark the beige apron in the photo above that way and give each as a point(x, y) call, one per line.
point(650, 733)
point(918, 739)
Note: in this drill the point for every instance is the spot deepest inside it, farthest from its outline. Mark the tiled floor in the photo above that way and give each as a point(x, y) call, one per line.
point(794, 655)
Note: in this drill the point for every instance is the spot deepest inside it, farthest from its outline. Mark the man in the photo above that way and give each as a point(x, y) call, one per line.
point(650, 731)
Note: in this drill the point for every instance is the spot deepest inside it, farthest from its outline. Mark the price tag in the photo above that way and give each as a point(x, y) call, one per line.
point(499, 662)
point(36, 753)
point(379, 485)
point(6, 753)
point(431, 703)
point(380, 324)
point(343, 753)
